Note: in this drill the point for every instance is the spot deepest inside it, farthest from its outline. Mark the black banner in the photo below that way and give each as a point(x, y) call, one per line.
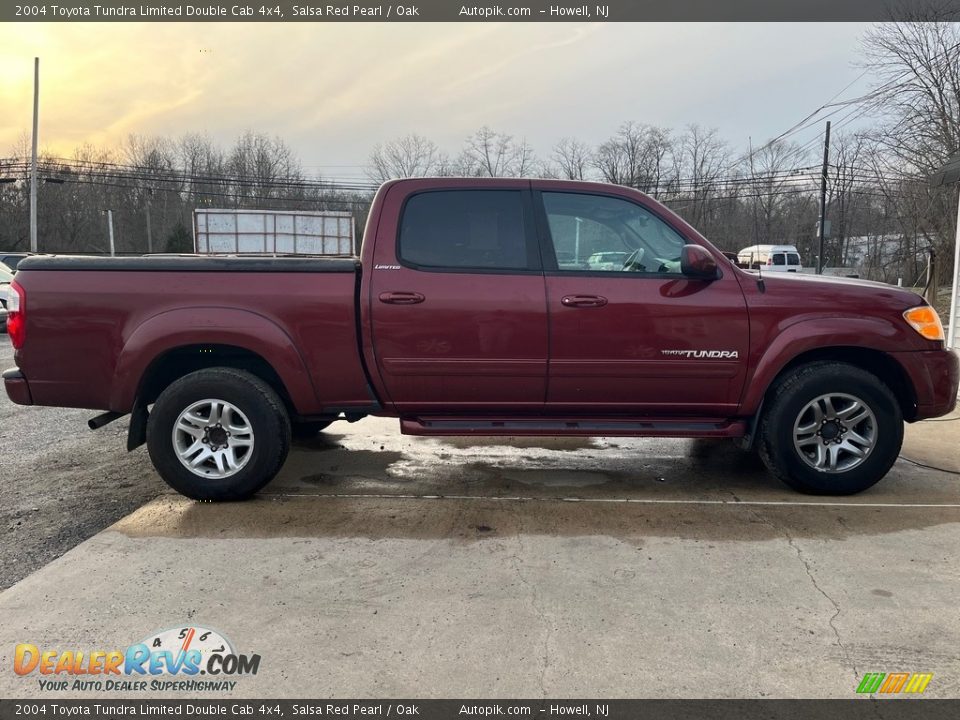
point(856, 709)
point(483, 11)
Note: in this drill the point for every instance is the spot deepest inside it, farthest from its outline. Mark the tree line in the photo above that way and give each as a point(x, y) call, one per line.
point(882, 211)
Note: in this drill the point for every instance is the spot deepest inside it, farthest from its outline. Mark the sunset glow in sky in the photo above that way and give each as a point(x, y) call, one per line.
point(333, 90)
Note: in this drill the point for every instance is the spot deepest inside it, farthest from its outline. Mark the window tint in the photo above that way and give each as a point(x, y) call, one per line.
point(597, 233)
point(778, 259)
point(793, 259)
point(481, 229)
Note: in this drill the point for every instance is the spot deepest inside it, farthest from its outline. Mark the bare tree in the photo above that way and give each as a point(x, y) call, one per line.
point(701, 158)
point(407, 156)
point(917, 67)
point(572, 158)
point(636, 156)
point(771, 176)
point(262, 168)
point(489, 153)
point(844, 196)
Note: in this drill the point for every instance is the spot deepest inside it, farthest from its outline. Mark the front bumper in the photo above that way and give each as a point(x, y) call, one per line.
point(17, 387)
point(936, 376)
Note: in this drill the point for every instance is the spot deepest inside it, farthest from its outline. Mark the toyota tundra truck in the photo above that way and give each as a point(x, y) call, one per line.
point(474, 309)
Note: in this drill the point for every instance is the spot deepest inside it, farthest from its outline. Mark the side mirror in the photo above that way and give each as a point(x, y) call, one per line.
point(696, 262)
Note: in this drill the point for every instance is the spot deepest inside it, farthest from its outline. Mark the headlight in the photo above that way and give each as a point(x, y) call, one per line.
point(924, 320)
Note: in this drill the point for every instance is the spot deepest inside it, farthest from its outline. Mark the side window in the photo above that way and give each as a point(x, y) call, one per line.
point(478, 229)
point(598, 233)
point(779, 259)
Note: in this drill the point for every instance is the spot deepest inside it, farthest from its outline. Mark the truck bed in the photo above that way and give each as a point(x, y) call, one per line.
point(97, 324)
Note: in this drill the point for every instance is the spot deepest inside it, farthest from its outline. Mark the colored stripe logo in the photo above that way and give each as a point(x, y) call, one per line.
point(891, 683)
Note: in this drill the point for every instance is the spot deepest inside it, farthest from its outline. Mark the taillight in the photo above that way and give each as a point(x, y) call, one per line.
point(769, 261)
point(16, 314)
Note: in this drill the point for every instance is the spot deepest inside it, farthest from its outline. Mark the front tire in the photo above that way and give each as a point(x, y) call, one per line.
point(830, 428)
point(218, 434)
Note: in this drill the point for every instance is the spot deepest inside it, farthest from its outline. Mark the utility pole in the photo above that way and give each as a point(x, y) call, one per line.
point(113, 250)
point(823, 197)
point(33, 156)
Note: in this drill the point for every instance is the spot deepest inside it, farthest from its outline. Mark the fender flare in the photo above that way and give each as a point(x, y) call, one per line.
point(821, 333)
point(206, 325)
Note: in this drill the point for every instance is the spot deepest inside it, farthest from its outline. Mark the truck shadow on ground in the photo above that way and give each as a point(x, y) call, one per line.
point(711, 493)
point(498, 467)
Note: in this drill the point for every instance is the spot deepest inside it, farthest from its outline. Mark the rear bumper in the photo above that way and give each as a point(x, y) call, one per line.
point(18, 390)
point(935, 375)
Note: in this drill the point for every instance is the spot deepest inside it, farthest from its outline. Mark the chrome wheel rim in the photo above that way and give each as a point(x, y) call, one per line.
point(835, 433)
point(213, 439)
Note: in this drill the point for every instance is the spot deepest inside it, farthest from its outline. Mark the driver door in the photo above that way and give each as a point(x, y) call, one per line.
point(616, 326)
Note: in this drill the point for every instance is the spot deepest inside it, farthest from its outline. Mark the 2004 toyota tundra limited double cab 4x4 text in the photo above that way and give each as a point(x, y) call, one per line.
point(474, 310)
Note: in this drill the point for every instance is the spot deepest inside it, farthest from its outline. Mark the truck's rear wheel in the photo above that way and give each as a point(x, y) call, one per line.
point(830, 429)
point(218, 434)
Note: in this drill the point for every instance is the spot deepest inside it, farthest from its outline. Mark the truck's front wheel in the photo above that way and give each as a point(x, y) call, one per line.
point(830, 428)
point(218, 434)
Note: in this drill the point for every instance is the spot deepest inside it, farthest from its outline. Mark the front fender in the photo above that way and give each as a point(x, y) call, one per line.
point(208, 326)
point(870, 333)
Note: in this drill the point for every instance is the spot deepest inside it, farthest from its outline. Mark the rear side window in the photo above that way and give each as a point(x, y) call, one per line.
point(779, 259)
point(465, 229)
point(793, 259)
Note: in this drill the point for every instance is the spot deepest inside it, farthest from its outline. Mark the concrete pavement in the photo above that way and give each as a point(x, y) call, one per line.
point(383, 565)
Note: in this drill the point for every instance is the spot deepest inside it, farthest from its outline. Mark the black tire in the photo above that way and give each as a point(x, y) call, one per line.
point(268, 420)
point(310, 429)
point(787, 401)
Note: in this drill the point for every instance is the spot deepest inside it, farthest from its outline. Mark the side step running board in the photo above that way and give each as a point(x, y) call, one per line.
point(595, 427)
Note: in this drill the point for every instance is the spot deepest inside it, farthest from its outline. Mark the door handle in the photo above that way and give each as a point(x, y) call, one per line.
point(584, 301)
point(401, 298)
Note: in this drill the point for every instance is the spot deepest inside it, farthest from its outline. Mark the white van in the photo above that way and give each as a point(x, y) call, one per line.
point(774, 258)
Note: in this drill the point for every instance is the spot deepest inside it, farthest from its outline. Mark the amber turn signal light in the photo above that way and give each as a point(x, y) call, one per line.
point(924, 320)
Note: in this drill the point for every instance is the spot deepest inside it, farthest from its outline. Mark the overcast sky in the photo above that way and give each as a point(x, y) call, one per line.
point(333, 90)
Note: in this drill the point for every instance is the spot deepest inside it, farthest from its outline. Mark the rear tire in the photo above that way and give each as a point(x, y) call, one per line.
point(830, 428)
point(218, 434)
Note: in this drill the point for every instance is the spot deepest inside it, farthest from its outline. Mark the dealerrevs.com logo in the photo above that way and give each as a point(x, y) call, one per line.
point(187, 658)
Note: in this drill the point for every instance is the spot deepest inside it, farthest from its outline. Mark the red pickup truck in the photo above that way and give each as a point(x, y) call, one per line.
point(482, 307)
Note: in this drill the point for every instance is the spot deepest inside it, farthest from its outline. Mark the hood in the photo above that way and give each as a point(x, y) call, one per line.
point(813, 288)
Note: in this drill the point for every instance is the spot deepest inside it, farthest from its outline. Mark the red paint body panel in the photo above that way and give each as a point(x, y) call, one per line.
point(480, 348)
point(92, 334)
point(935, 375)
point(478, 341)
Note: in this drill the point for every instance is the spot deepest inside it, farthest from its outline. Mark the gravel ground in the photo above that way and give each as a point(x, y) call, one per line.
point(46, 506)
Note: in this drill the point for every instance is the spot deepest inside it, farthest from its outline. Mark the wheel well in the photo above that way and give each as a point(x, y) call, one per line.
point(877, 362)
point(176, 363)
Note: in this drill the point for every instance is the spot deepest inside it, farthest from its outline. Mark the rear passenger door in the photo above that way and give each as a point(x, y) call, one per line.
point(457, 300)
